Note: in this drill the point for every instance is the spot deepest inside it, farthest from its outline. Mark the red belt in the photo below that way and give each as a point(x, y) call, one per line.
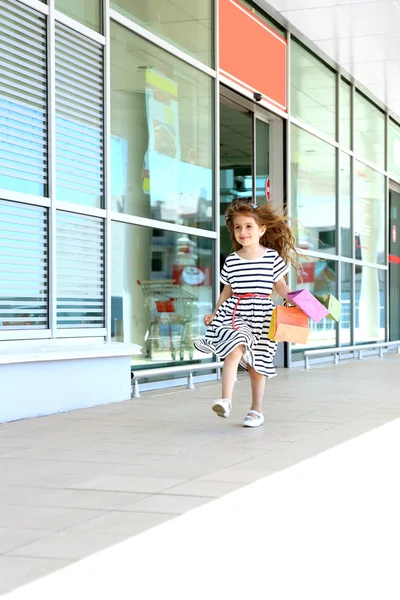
point(240, 297)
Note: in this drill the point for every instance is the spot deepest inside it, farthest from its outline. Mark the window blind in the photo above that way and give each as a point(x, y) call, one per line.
point(23, 266)
point(80, 271)
point(79, 118)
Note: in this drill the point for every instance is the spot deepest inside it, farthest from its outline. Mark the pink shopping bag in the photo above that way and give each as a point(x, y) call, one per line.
point(308, 304)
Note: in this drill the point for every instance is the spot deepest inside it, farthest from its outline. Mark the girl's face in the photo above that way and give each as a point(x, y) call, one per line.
point(247, 232)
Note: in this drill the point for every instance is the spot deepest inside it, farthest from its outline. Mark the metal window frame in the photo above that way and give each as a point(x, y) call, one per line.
point(217, 172)
point(107, 166)
point(24, 334)
point(52, 183)
point(36, 5)
point(24, 198)
point(338, 214)
point(164, 225)
point(71, 23)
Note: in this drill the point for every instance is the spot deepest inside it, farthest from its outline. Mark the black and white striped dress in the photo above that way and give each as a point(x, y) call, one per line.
point(253, 315)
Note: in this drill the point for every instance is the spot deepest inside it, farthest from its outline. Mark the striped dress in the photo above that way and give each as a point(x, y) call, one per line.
point(253, 315)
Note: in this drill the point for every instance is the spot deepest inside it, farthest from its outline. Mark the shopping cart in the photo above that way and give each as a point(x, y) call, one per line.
point(169, 307)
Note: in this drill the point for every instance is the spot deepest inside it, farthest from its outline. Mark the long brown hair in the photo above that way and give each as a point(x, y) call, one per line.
point(278, 235)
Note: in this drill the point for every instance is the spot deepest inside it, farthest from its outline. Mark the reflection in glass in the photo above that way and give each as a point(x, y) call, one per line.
point(87, 12)
point(313, 197)
point(345, 114)
point(162, 134)
point(369, 124)
point(369, 215)
point(313, 91)
point(370, 286)
point(345, 204)
point(319, 277)
point(160, 300)
point(185, 23)
point(263, 179)
point(394, 149)
point(345, 322)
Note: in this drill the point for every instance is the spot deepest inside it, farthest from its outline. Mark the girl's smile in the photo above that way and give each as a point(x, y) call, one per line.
point(247, 231)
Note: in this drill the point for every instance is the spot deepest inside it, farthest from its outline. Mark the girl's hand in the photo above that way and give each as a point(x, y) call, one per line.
point(208, 319)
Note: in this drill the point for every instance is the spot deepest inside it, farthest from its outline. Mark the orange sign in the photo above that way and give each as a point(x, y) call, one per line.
point(252, 55)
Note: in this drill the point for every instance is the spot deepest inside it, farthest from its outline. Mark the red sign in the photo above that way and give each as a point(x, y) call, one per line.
point(252, 54)
point(394, 234)
point(194, 276)
point(268, 189)
point(306, 273)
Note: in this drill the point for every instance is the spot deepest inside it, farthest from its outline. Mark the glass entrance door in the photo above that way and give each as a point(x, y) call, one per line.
point(394, 264)
point(245, 141)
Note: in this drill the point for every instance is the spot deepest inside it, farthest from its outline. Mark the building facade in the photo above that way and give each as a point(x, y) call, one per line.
point(127, 127)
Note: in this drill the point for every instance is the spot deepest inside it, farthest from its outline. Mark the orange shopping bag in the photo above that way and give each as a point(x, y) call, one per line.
point(289, 324)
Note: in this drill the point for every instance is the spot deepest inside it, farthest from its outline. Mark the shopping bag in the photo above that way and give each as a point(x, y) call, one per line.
point(332, 304)
point(288, 324)
point(308, 304)
point(291, 333)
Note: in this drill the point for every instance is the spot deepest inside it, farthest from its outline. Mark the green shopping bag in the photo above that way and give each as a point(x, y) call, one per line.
point(332, 304)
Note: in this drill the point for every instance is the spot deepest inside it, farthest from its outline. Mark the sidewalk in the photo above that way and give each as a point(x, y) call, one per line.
point(77, 483)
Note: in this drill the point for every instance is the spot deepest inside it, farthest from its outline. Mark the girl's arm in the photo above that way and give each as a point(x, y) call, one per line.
point(281, 288)
point(225, 294)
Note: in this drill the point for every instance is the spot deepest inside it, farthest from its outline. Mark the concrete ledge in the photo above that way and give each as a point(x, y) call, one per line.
point(12, 353)
point(45, 379)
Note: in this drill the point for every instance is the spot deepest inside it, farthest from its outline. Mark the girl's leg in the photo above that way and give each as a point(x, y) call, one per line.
point(257, 389)
point(229, 372)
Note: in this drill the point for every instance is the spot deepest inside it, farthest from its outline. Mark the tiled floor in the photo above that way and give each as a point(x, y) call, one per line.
point(76, 483)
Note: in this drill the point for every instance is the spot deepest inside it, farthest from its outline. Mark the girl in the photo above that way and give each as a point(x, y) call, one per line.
point(237, 330)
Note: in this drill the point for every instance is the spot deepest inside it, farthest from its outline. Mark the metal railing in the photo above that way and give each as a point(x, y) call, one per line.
point(217, 366)
point(190, 369)
point(356, 350)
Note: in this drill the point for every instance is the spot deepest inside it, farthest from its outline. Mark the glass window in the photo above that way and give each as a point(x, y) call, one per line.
point(79, 118)
point(313, 197)
point(184, 23)
point(394, 149)
point(370, 286)
point(162, 134)
point(23, 100)
point(23, 266)
point(345, 205)
point(87, 12)
point(160, 300)
point(345, 114)
point(345, 321)
point(313, 91)
point(369, 124)
point(319, 277)
point(369, 215)
point(80, 271)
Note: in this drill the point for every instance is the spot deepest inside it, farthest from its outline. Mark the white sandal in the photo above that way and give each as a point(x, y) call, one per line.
point(222, 407)
point(250, 421)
